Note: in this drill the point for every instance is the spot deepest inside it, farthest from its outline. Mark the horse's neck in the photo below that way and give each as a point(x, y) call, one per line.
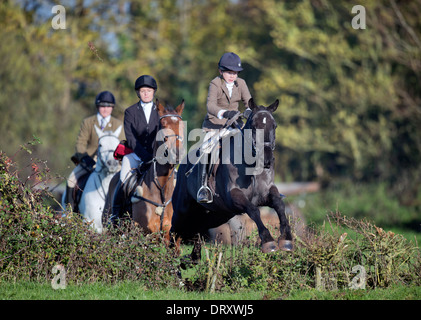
point(99, 168)
point(157, 180)
point(246, 165)
point(162, 172)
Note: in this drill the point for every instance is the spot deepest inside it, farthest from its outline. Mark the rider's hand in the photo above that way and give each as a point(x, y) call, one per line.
point(229, 114)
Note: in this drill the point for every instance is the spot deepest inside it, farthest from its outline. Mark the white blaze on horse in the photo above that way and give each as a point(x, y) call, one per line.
point(96, 189)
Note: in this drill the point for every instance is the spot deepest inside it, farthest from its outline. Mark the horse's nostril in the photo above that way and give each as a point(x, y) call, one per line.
point(111, 163)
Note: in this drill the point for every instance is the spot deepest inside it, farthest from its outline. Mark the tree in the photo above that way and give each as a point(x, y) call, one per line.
point(348, 97)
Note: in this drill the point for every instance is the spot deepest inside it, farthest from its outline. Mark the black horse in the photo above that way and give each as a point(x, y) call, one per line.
point(238, 186)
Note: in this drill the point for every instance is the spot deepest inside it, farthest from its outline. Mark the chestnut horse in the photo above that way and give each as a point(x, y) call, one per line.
point(151, 201)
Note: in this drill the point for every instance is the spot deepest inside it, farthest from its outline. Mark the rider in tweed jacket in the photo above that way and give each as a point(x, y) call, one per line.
point(87, 141)
point(225, 93)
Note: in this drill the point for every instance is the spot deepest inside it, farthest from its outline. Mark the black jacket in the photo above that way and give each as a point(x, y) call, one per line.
point(140, 135)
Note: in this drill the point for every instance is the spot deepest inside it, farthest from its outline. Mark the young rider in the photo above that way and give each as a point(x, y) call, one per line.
point(224, 95)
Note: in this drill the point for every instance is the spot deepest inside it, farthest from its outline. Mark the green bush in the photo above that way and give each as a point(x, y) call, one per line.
point(324, 259)
point(34, 238)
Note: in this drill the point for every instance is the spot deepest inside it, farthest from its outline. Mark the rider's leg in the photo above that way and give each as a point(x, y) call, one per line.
point(77, 172)
point(128, 163)
point(117, 203)
point(204, 194)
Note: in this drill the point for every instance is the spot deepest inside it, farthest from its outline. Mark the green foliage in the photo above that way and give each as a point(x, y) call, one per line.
point(343, 106)
point(130, 290)
point(372, 201)
point(349, 107)
point(349, 98)
point(34, 239)
point(323, 259)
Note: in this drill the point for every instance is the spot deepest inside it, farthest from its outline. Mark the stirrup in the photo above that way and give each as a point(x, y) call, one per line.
point(209, 196)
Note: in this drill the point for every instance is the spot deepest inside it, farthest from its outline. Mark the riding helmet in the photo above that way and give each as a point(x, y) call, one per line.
point(230, 62)
point(145, 81)
point(105, 99)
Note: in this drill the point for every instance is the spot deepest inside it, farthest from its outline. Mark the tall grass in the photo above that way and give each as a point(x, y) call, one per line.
point(373, 202)
point(323, 259)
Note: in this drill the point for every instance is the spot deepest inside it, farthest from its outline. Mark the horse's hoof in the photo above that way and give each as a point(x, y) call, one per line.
point(270, 246)
point(286, 245)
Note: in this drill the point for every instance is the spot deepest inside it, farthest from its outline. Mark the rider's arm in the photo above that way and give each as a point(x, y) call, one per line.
point(216, 106)
point(82, 142)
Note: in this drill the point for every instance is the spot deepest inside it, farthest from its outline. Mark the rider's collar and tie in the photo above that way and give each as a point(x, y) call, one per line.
point(103, 121)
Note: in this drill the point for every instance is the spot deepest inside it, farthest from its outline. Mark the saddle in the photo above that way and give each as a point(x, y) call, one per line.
point(130, 185)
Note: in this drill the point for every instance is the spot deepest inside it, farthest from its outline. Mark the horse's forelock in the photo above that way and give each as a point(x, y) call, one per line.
point(251, 120)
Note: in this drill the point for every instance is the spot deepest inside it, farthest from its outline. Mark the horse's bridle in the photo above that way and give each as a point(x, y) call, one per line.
point(265, 143)
point(103, 164)
point(107, 150)
point(178, 137)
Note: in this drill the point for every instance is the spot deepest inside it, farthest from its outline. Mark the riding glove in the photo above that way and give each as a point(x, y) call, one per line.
point(88, 162)
point(229, 114)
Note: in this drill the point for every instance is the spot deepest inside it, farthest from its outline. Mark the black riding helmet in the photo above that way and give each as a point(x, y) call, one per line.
point(230, 62)
point(145, 81)
point(105, 99)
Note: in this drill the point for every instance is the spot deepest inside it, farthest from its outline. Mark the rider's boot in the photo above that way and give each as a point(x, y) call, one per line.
point(204, 194)
point(117, 204)
point(69, 197)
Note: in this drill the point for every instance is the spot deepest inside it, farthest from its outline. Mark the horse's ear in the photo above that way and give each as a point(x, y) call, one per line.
point(180, 108)
point(273, 106)
point(118, 131)
point(160, 107)
point(99, 132)
point(252, 105)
